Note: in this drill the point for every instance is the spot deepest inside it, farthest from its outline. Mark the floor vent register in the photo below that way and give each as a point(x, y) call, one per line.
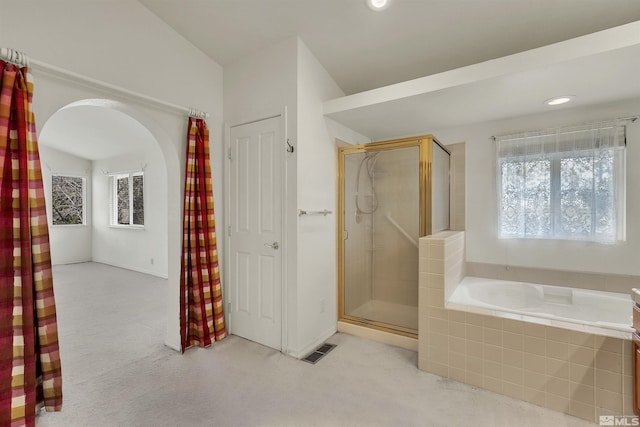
point(319, 353)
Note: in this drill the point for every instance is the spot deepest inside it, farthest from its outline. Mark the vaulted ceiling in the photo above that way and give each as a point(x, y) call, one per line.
point(364, 50)
point(93, 132)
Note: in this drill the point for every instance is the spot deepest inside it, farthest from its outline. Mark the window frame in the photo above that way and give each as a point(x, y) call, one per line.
point(84, 199)
point(113, 199)
point(555, 159)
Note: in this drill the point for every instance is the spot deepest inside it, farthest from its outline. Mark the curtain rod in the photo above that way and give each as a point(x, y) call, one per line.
point(551, 131)
point(22, 60)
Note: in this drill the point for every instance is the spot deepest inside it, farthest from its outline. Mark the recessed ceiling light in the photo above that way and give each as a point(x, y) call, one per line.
point(378, 5)
point(559, 100)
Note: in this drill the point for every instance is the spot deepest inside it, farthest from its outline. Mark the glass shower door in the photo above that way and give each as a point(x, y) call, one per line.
point(381, 226)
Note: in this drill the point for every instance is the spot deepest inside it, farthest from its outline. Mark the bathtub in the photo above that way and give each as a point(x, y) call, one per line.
point(595, 312)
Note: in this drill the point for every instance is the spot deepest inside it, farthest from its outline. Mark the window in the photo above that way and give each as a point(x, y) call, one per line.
point(568, 184)
point(67, 200)
point(127, 199)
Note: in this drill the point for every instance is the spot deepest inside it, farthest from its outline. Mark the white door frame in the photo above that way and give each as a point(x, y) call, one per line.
point(227, 212)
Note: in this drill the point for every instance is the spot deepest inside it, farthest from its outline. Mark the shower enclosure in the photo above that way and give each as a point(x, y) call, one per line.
point(390, 194)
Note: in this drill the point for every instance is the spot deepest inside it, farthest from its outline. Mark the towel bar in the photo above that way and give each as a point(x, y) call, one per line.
point(302, 212)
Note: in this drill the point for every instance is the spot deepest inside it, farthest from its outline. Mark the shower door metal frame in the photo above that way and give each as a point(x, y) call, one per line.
point(424, 143)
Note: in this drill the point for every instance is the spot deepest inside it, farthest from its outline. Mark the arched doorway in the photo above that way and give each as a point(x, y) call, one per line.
point(165, 133)
point(95, 145)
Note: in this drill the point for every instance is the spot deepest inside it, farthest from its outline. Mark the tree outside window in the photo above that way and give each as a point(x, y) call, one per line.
point(68, 200)
point(564, 185)
point(127, 199)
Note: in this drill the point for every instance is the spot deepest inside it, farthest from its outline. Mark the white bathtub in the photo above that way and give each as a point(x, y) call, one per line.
point(596, 312)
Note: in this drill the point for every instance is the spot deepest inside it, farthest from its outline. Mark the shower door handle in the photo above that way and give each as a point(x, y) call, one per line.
point(273, 245)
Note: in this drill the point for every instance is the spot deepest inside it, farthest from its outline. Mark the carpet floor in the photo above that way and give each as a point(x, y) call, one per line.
point(117, 372)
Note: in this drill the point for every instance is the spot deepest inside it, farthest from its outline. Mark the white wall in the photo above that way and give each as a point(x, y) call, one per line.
point(124, 44)
point(69, 243)
point(316, 178)
point(483, 246)
point(343, 135)
point(143, 250)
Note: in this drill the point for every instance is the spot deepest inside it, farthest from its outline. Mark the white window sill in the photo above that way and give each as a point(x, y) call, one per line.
point(127, 227)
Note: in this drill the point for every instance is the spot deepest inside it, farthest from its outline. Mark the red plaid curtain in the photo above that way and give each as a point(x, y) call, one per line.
point(201, 308)
point(30, 374)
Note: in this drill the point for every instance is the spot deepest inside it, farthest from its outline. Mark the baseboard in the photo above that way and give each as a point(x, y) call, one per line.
point(73, 261)
point(302, 352)
point(173, 346)
point(149, 272)
point(132, 268)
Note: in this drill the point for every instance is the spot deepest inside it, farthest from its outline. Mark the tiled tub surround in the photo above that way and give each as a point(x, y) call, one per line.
point(585, 375)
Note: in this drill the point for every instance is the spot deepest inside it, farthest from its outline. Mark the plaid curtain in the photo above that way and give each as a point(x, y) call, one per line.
point(201, 308)
point(30, 374)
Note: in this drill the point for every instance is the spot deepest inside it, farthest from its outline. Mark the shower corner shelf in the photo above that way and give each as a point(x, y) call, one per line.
point(302, 212)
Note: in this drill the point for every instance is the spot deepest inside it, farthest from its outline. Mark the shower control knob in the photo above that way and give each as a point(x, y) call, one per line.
point(273, 245)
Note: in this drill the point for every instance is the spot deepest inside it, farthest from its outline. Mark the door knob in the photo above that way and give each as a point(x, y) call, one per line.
point(273, 245)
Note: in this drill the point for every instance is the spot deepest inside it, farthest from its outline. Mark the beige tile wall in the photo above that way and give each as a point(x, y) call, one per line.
point(576, 373)
point(457, 174)
point(394, 260)
point(575, 279)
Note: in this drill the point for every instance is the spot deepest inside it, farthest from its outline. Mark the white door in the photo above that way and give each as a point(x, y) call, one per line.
point(256, 232)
